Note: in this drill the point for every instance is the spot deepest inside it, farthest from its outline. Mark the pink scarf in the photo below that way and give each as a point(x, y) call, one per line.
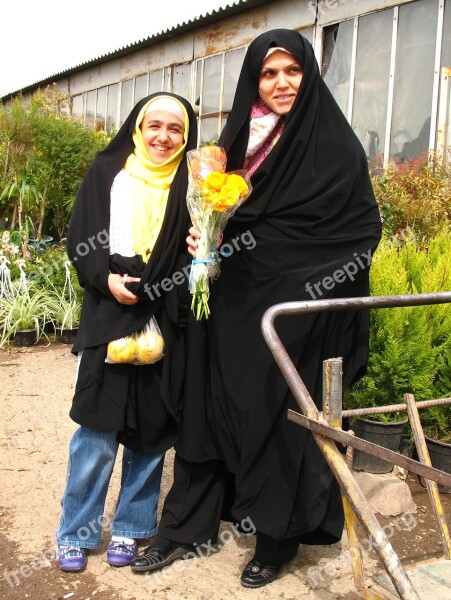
point(265, 129)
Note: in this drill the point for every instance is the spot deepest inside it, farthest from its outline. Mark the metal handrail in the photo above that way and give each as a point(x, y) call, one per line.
point(310, 306)
point(334, 458)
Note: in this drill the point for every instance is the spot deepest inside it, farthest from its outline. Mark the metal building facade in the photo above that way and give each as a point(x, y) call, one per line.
point(387, 63)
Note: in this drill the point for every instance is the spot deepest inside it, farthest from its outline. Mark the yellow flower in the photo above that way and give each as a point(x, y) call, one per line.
point(223, 191)
point(214, 181)
point(239, 183)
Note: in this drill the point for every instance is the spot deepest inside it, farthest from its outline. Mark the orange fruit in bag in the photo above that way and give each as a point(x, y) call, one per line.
point(122, 350)
point(149, 347)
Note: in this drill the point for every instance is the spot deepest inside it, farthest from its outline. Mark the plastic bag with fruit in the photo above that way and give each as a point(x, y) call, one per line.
point(144, 347)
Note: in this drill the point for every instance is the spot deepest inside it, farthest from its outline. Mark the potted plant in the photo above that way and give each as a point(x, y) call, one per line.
point(23, 315)
point(436, 421)
point(65, 315)
point(436, 425)
point(65, 308)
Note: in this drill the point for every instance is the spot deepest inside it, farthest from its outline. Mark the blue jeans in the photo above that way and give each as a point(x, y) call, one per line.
point(92, 455)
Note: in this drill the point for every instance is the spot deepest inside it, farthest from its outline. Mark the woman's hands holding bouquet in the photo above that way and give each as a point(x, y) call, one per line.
point(213, 196)
point(192, 240)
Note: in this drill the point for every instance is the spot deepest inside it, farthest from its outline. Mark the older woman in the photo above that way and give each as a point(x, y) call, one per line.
point(315, 223)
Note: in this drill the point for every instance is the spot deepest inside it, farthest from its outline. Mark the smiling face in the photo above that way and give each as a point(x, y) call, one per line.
point(280, 78)
point(162, 134)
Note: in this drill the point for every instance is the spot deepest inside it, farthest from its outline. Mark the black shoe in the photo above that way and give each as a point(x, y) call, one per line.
point(153, 558)
point(257, 574)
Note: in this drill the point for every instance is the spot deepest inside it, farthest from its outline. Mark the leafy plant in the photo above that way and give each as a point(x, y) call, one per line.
point(39, 137)
point(415, 195)
point(23, 310)
point(410, 347)
point(65, 306)
point(64, 310)
point(22, 190)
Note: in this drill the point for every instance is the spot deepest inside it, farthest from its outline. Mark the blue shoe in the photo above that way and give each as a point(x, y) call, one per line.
point(70, 558)
point(120, 554)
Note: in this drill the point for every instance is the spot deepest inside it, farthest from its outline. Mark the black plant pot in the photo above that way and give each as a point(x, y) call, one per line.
point(49, 327)
point(440, 454)
point(25, 337)
point(67, 336)
point(387, 435)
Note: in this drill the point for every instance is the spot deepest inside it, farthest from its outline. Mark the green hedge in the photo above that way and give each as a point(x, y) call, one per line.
point(410, 347)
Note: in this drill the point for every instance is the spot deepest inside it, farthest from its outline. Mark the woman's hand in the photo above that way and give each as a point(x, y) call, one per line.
point(116, 283)
point(192, 240)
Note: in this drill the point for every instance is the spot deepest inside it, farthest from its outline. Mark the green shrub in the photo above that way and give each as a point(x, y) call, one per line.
point(415, 195)
point(410, 347)
point(47, 269)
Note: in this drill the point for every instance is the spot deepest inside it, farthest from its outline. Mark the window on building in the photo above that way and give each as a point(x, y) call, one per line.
point(101, 108)
point(232, 67)
point(380, 92)
point(156, 81)
point(141, 87)
point(446, 46)
point(216, 80)
point(127, 103)
point(372, 75)
point(444, 116)
point(414, 78)
point(91, 98)
point(181, 80)
point(337, 57)
point(112, 103)
point(77, 107)
point(308, 34)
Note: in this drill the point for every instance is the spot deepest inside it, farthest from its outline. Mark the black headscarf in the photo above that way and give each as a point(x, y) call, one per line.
point(317, 172)
point(311, 213)
point(103, 318)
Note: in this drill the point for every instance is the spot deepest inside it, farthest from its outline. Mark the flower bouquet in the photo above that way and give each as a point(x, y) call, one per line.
point(213, 196)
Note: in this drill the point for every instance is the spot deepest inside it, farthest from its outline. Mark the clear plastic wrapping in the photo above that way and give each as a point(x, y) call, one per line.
point(145, 347)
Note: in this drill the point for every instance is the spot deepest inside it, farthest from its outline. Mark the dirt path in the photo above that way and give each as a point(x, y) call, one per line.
point(36, 387)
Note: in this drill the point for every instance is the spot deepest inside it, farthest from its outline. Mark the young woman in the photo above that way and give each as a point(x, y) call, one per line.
point(312, 214)
point(127, 234)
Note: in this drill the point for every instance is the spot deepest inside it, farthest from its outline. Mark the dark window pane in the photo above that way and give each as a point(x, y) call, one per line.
point(337, 54)
point(372, 75)
point(414, 76)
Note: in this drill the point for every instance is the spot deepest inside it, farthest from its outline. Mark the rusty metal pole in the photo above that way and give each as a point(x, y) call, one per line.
point(332, 408)
point(356, 498)
point(423, 454)
point(331, 453)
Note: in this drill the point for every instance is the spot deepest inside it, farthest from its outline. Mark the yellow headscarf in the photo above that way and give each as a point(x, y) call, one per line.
point(150, 181)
